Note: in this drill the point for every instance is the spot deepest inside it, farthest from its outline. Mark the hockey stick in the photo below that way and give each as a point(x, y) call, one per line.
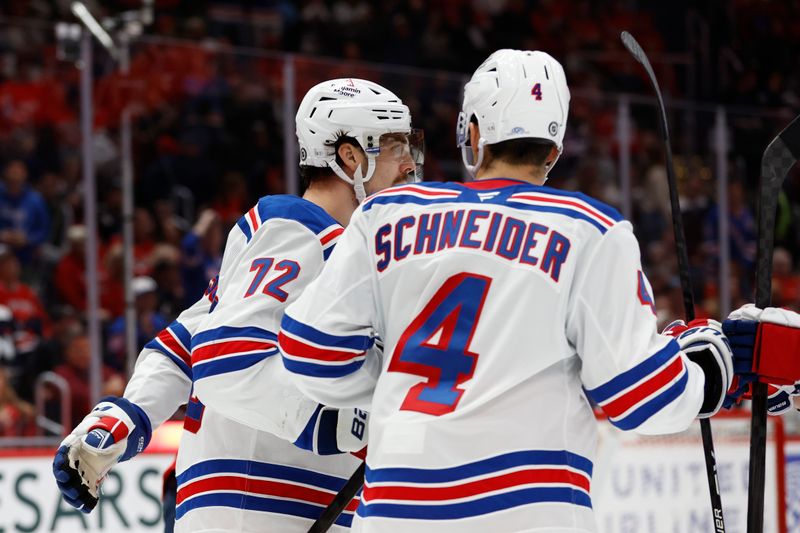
point(340, 501)
point(781, 154)
point(683, 267)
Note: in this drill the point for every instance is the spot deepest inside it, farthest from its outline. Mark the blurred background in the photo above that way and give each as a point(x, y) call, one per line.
point(212, 88)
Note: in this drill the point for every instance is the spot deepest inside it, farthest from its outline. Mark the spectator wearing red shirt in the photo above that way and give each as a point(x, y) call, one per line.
point(17, 418)
point(75, 370)
point(69, 278)
point(30, 319)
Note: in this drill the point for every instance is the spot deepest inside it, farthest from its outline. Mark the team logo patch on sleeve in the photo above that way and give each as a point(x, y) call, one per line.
point(643, 292)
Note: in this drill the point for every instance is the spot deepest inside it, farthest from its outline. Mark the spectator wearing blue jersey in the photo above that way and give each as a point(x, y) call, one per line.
point(202, 255)
point(24, 219)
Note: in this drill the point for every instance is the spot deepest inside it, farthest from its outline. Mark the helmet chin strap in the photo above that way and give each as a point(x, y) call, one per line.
point(358, 180)
point(473, 168)
point(549, 167)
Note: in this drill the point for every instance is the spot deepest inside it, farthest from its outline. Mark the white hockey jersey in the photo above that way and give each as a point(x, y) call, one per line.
point(232, 477)
point(502, 306)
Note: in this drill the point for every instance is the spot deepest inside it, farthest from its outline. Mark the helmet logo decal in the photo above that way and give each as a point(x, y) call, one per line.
point(519, 130)
point(348, 90)
point(553, 129)
point(537, 91)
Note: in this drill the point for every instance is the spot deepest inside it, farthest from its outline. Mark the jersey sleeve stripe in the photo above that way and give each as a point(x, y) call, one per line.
point(633, 397)
point(230, 364)
point(339, 342)
point(155, 345)
point(630, 378)
point(622, 404)
point(326, 236)
point(245, 227)
point(172, 343)
point(296, 347)
point(320, 371)
point(182, 334)
point(231, 332)
point(230, 348)
point(646, 410)
point(253, 217)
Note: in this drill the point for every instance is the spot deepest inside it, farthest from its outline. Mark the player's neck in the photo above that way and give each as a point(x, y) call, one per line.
point(501, 169)
point(334, 196)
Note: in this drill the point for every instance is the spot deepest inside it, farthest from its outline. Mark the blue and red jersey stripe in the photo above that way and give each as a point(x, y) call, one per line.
point(229, 349)
point(174, 342)
point(501, 482)
point(258, 486)
point(311, 352)
point(632, 397)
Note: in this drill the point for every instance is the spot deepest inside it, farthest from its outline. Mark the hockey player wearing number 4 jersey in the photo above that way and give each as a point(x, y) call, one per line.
point(503, 306)
point(251, 469)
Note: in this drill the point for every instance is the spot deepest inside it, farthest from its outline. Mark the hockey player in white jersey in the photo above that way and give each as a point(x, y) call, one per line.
point(505, 307)
point(355, 138)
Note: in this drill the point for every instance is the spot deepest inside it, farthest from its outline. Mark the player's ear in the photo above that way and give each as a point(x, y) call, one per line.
point(349, 155)
point(474, 137)
point(551, 157)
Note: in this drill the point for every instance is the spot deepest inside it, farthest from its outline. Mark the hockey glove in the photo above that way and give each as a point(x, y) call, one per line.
point(332, 431)
point(766, 344)
point(114, 431)
point(780, 398)
point(703, 343)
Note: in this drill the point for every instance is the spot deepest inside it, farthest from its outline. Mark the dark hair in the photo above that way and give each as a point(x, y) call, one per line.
point(524, 152)
point(309, 174)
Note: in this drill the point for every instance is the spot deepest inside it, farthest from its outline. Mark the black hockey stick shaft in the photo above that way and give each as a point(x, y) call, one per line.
point(685, 275)
point(778, 158)
point(340, 501)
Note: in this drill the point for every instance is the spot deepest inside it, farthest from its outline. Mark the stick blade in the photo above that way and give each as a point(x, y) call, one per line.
point(634, 47)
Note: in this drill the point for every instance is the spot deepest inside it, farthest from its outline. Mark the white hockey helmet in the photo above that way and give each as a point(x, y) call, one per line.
point(354, 108)
point(514, 94)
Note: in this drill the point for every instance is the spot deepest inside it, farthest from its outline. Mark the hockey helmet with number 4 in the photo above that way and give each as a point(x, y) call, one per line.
point(514, 94)
point(354, 108)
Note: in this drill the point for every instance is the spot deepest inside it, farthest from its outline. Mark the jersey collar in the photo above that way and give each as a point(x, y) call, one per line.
point(494, 183)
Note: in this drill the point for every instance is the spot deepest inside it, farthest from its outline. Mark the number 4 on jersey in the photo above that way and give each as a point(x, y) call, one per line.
point(436, 345)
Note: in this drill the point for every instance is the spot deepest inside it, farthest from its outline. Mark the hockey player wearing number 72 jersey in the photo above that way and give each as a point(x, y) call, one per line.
point(503, 304)
point(250, 468)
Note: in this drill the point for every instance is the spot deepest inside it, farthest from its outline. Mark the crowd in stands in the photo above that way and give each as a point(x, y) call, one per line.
point(208, 141)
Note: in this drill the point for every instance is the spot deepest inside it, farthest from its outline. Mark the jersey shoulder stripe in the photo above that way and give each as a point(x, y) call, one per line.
point(481, 487)
point(174, 342)
point(632, 397)
point(574, 204)
point(259, 486)
point(417, 193)
point(288, 207)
